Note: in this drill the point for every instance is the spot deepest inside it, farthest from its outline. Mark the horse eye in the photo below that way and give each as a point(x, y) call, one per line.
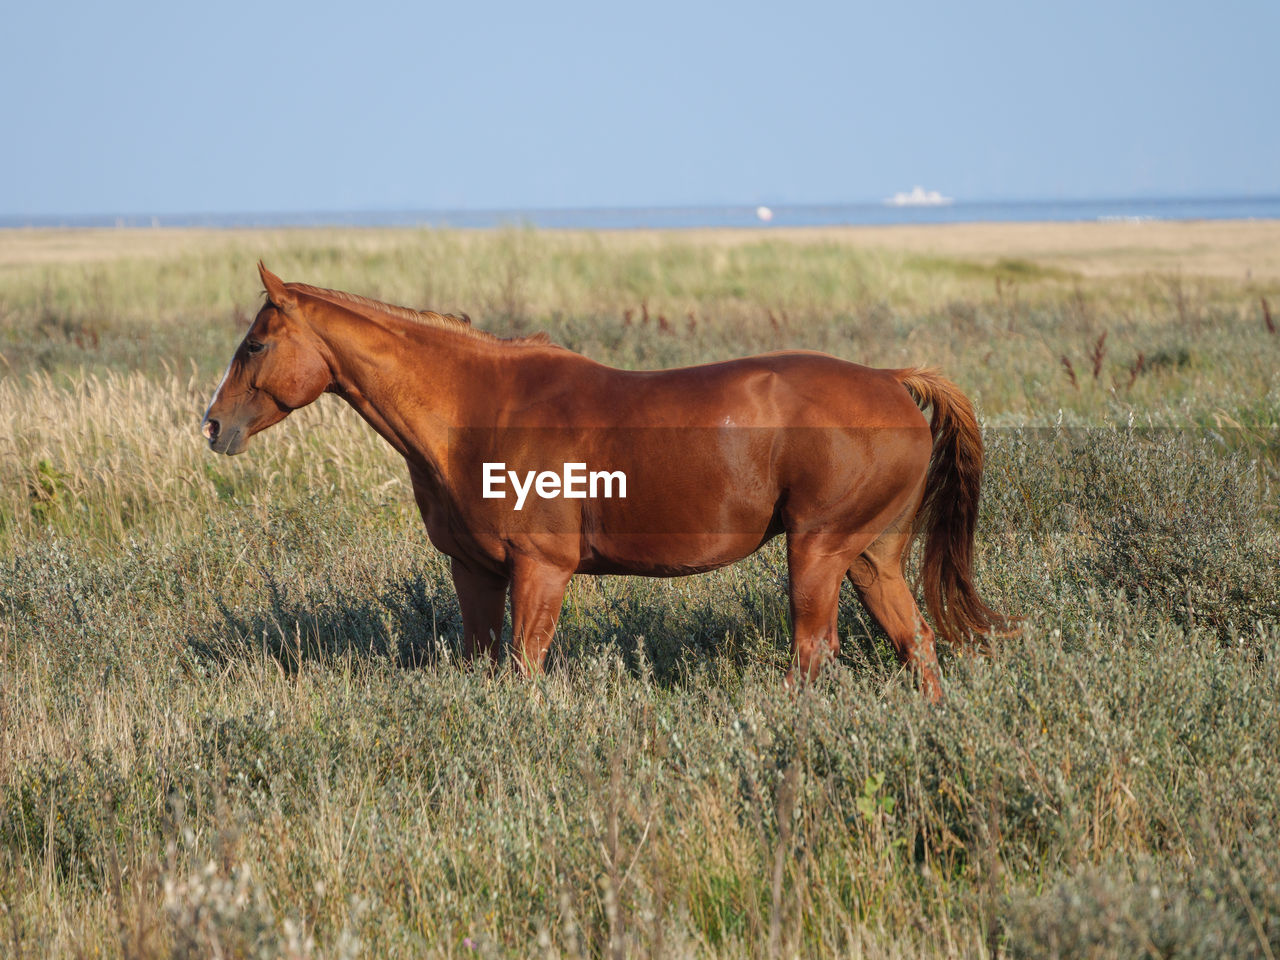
point(255, 346)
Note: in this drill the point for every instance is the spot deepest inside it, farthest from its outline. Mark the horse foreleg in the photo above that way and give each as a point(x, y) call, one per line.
point(483, 598)
point(537, 594)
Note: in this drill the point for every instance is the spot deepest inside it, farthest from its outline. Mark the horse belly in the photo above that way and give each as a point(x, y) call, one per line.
point(668, 554)
point(687, 511)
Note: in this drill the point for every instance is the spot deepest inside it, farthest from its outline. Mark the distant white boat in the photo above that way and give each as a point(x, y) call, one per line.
point(764, 214)
point(919, 197)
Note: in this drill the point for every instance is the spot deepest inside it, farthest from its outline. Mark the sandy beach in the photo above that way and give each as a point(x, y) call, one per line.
point(1236, 249)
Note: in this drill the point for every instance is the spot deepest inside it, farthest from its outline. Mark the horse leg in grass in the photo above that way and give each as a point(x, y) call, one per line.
point(537, 594)
point(483, 599)
point(877, 576)
point(816, 564)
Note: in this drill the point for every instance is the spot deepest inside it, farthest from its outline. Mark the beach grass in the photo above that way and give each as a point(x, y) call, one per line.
point(233, 721)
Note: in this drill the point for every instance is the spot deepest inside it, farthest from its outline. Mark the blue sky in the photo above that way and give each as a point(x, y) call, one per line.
point(237, 107)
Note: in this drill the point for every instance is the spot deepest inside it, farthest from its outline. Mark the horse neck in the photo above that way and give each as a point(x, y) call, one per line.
point(403, 386)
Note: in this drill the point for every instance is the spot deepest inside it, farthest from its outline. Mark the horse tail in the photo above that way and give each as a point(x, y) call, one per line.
point(948, 514)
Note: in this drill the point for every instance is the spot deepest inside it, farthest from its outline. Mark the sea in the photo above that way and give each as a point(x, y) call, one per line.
point(692, 217)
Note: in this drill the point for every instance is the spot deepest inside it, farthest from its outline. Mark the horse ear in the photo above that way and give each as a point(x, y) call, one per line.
point(276, 291)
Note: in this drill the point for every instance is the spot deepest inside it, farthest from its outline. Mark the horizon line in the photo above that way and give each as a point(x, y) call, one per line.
point(744, 206)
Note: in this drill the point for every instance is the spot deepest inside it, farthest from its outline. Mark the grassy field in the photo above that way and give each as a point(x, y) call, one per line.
point(233, 722)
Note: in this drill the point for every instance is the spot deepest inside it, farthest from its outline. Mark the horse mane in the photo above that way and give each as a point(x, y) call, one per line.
point(429, 318)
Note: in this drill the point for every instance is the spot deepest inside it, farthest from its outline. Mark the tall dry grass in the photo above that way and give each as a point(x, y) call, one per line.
point(233, 722)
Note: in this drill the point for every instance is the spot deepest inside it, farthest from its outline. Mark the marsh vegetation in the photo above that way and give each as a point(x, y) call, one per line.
point(232, 717)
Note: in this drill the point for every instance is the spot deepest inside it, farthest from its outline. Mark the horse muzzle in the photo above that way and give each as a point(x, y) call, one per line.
point(222, 439)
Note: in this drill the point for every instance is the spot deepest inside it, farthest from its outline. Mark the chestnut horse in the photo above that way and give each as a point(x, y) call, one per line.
point(715, 460)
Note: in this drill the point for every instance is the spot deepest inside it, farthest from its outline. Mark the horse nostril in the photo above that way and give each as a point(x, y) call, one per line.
point(211, 428)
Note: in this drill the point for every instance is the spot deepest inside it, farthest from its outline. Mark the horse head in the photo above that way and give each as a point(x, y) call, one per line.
point(278, 367)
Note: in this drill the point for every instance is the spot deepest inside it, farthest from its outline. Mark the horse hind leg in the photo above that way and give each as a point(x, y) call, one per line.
point(816, 564)
point(877, 575)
